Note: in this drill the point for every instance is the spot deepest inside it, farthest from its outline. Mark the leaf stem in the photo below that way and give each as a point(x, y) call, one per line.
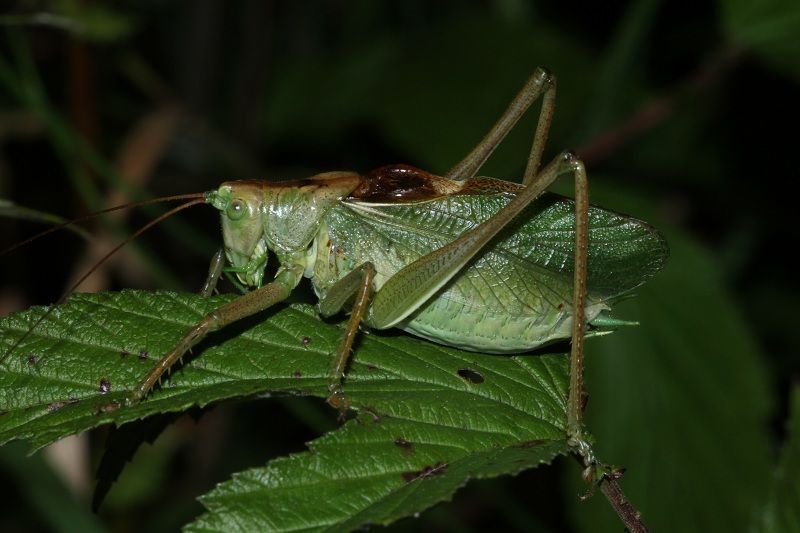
point(606, 477)
point(623, 507)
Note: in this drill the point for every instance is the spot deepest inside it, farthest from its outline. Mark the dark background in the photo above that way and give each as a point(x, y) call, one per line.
point(685, 117)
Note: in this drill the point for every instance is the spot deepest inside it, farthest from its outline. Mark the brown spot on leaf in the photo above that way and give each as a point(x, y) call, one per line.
point(123, 354)
point(403, 444)
point(55, 406)
point(428, 471)
point(471, 376)
point(33, 359)
point(297, 374)
point(530, 444)
point(373, 413)
point(105, 386)
point(107, 408)
point(305, 341)
point(144, 354)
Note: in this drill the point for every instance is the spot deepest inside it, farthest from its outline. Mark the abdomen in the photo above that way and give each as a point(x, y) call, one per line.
point(503, 301)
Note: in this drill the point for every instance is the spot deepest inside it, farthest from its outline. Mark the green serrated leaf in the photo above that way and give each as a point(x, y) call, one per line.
point(372, 471)
point(430, 417)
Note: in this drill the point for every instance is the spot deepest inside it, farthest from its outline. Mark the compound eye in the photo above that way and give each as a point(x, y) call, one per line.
point(237, 209)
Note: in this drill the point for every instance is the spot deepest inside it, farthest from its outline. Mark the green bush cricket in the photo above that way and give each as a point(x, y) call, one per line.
point(475, 263)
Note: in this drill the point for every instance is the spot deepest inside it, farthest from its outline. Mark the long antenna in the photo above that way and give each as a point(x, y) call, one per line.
point(101, 212)
point(198, 199)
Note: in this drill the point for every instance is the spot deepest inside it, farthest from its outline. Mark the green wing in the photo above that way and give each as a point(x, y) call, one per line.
point(623, 252)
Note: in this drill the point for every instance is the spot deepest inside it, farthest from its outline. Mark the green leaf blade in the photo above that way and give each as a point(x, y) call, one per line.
point(369, 472)
point(51, 385)
point(429, 418)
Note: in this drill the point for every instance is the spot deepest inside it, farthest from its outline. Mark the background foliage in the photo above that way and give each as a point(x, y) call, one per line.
point(677, 114)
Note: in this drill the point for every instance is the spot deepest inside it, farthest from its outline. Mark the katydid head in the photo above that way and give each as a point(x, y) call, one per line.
point(242, 206)
point(258, 216)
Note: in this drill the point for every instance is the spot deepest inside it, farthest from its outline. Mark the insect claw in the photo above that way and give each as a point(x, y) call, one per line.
point(544, 76)
point(339, 401)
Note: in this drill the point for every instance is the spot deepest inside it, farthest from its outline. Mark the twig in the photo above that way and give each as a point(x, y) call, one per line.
point(625, 510)
point(583, 453)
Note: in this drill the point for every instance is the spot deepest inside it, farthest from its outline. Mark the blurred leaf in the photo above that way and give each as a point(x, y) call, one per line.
point(425, 100)
point(88, 20)
point(96, 21)
point(51, 20)
point(315, 101)
point(22, 79)
point(618, 73)
point(9, 209)
point(419, 416)
point(769, 28)
point(47, 495)
point(122, 444)
point(683, 402)
point(782, 511)
point(662, 152)
point(435, 106)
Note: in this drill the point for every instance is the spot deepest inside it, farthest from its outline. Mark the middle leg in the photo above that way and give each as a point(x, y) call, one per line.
point(356, 286)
